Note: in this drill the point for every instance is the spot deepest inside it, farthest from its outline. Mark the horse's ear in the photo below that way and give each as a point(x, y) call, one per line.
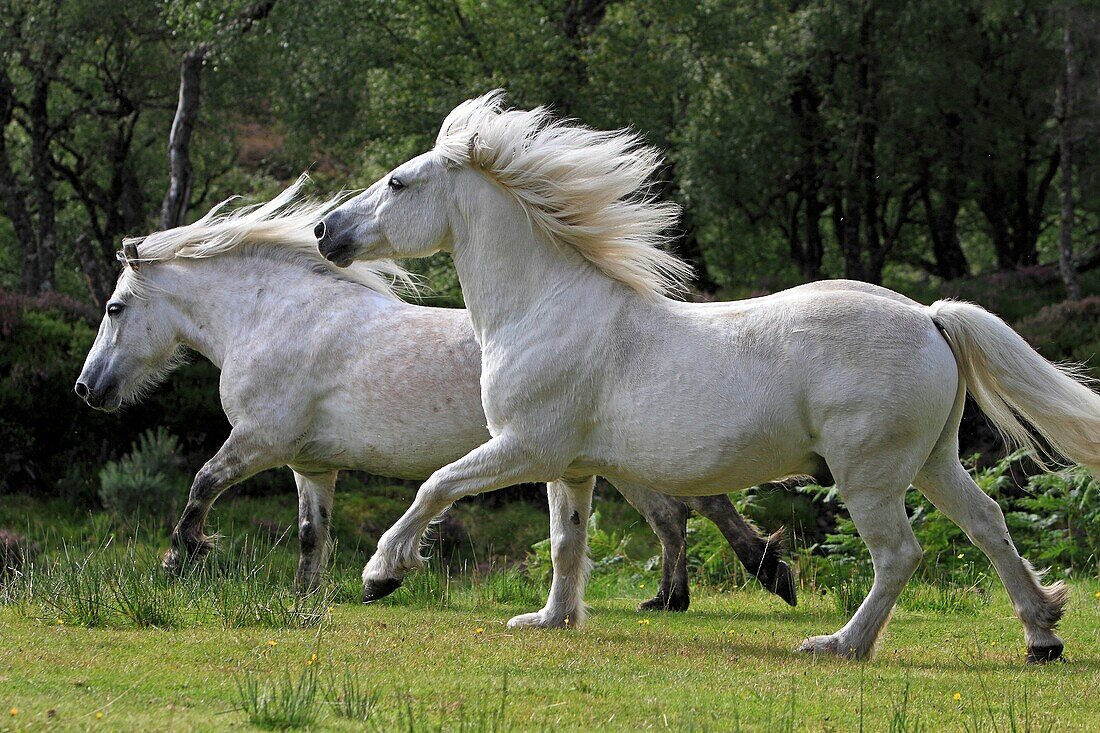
point(130, 254)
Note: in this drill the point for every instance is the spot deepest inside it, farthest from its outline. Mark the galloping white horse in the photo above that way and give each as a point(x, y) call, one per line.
point(588, 368)
point(325, 370)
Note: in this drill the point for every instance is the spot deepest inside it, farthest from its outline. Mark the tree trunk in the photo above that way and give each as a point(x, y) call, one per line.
point(13, 194)
point(805, 102)
point(180, 172)
point(949, 261)
point(39, 262)
point(1068, 94)
point(98, 275)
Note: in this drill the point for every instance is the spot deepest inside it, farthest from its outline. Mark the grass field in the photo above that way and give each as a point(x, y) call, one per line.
point(437, 656)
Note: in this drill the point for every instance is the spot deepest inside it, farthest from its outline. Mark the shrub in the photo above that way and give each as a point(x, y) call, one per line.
point(147, 482)
point(1068, 331)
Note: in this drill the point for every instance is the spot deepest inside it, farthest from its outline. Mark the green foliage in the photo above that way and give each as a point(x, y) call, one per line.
point(147, 482)
point(1053, 519)
point(606, 548)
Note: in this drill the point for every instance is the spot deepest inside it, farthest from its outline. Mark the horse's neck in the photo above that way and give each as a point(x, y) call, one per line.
point(513, 276)
point(224, 301)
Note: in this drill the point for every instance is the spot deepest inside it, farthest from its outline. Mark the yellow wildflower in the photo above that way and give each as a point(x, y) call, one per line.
point(958, 696)
point(641, 585)
point(14, 712)
point(643, 622)
point(271, 642)
point(60, 621)
point(99, 715)
point(479, 630)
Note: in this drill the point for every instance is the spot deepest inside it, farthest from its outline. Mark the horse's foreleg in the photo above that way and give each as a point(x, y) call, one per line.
point(498, 463)
point(570, 504)
point(880, 519)
point(667, 517)
point(315, 496)
point(761, 556)
point(235, 461)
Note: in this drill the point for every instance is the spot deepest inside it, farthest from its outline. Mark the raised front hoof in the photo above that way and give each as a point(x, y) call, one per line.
point(1044, 654)
point(539, 620)
point(678, 602)
point(783, 584)
point(374, 590)
point(827, 645)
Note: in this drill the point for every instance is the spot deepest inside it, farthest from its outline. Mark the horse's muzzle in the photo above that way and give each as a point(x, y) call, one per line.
point(333, 244)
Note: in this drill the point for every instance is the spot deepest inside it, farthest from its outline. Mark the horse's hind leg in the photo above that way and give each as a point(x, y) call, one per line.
point(880, 518)
point(570, 503)
point(667, 517)
point(947, 485)
point(315, 495)
point(760, 555)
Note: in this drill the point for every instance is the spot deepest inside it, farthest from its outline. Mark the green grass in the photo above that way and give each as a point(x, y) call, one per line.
point(419, 662)
point(95, 637)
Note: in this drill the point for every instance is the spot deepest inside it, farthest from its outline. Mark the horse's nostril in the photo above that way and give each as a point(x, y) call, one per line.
point(319, 230)
point(81, 390)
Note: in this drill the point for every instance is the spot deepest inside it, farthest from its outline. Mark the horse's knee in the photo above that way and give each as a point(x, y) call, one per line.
point(906, 557)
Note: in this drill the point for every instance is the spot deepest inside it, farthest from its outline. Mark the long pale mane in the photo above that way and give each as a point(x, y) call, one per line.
point(281, 228)
point(582, 187)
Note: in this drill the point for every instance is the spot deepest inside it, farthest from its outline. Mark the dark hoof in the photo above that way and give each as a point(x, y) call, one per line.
point(677, 603)
point(1044, 654)
point(783, 584)
point(374, 590)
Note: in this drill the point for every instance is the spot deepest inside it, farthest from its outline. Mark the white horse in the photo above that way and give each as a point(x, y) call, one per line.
point(588, 368)
point(325, 370)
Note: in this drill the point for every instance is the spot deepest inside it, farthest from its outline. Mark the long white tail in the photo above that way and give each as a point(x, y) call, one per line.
point(1010, 380)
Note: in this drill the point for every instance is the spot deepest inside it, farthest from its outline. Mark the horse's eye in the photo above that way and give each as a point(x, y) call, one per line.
point(396, 184)
point(113, 309)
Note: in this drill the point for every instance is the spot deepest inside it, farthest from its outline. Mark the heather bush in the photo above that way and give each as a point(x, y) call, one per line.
point(148, 483)
point(1068, 331)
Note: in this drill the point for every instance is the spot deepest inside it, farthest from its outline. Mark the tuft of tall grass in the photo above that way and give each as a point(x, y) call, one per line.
point(350, 698)
point(74, 589)
point(282, 704)
point(509, 586)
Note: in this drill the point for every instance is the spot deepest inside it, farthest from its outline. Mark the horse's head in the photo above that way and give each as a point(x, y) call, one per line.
point(135, 345)
point(404, 214)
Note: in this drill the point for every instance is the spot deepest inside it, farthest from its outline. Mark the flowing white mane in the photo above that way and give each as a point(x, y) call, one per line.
point(582, 187)
point(280, 228)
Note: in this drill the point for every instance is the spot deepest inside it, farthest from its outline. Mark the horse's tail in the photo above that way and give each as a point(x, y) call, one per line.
point(1010, 380)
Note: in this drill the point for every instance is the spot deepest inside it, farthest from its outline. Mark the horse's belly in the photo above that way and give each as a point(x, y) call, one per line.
point(704, 459)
